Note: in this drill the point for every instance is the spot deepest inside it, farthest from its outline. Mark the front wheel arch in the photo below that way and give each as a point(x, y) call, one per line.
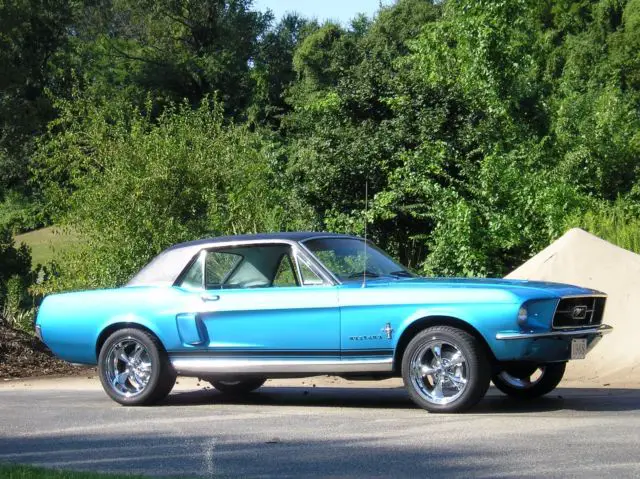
point(421, 324)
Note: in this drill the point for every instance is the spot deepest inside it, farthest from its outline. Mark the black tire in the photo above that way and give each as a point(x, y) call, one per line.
point(515, 381)
point(238, 387)
point(155, 381)
point(423, 387)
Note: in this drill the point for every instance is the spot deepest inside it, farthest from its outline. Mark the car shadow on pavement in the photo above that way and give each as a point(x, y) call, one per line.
point(248, 455)
point(568, 399)
point(300, 396)
point(575, 399)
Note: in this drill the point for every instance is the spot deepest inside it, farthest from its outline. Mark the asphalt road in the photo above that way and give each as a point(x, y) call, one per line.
point(321, 432)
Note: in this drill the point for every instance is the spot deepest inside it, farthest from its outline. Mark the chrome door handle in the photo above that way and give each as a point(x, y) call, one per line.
point(209, 297)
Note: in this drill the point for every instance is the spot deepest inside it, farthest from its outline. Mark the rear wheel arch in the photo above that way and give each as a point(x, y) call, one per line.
point(423, 323)
point(112, 328)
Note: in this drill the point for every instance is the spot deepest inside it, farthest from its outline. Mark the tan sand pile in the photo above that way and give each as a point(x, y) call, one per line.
point(583, 259)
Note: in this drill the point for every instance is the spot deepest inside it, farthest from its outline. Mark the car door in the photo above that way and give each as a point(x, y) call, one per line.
point(254, 301)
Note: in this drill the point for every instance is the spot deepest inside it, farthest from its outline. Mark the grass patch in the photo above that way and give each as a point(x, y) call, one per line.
point(48, 244)
point(28, 472)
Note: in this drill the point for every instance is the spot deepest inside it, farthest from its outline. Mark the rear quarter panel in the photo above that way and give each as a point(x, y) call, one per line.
point(72, 322)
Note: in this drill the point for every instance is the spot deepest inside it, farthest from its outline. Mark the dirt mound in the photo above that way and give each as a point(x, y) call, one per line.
point(22, 355)
point(585, 260)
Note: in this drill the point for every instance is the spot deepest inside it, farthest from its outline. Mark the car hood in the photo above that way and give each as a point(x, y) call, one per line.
point(524, 289)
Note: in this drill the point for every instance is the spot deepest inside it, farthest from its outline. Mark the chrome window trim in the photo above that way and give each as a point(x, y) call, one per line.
point(202, 257)
point(596, 295)
point(296, 249)
point(314, 267)
point(297, 246)
point(575, 296)
point(510, 335)
point(314, 258)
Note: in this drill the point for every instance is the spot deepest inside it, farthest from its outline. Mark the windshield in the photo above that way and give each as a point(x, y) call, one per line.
point(345, 258)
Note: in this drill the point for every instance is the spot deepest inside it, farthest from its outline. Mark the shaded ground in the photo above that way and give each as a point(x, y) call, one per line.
point(296, 431)
point(23, 355)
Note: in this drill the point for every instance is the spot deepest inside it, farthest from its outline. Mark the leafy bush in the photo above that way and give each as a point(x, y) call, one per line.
point(14, 263)
point(15, 278)
point(134, 186)
point(19, 213)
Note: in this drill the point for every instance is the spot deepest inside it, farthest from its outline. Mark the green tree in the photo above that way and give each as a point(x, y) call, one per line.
point(32, 35)
point(175, 50)
point(345, 132)
point(134, 186)
point(273, 71)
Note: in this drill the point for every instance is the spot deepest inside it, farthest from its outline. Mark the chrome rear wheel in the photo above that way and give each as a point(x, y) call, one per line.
point(128, 367)
point(134, 368)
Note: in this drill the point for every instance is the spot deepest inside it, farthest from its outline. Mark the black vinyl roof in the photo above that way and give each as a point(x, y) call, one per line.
point(165, 268)
point(287, 236)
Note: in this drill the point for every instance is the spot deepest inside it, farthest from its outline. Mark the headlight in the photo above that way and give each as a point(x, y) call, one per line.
point(522, 316)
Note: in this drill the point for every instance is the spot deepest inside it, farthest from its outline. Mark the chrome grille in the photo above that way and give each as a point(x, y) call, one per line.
point(577, 312)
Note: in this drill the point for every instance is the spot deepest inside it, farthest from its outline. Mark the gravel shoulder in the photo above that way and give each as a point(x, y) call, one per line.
point(24, 355)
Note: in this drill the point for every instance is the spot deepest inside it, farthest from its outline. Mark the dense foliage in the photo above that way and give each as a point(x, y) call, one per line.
point(15, 278)
point(482, 129)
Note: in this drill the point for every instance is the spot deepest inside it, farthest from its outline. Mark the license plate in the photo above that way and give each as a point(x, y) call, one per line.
point(578, 348)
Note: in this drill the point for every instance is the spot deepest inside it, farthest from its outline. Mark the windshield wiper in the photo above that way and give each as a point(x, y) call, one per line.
point(401, 274)
point(368, 274)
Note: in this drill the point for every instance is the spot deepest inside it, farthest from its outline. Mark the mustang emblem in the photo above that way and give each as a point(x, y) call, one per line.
point(388, 330)
point(579, 312)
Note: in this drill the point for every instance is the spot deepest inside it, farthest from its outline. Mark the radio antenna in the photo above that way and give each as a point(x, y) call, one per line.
point(366, 210)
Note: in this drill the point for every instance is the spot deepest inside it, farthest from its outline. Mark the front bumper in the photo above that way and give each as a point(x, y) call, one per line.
point(508, 335)
point(547, 346)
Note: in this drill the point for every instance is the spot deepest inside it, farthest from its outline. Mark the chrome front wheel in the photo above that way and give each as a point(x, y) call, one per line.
point(439, 371)
point(445, 369)
point(523, 380)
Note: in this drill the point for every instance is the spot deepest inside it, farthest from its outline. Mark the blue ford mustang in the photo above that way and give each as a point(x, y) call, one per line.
point(238, 310)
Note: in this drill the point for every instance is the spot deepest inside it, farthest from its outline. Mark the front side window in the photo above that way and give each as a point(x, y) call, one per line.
point(348, 259)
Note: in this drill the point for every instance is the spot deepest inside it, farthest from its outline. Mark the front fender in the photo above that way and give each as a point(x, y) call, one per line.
point(484, 319)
